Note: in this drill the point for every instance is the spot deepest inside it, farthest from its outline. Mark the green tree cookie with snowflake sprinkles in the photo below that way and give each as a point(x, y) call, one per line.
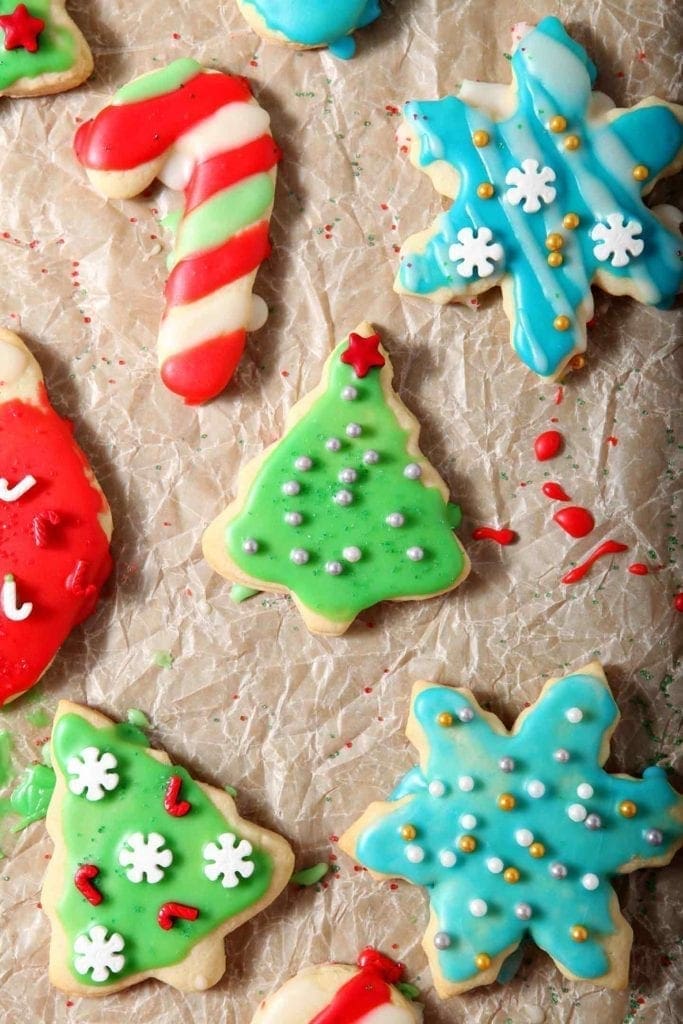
point(41, 49)
point(150, 869)
point(519, 833)
point(344, 511)
point(548, 180)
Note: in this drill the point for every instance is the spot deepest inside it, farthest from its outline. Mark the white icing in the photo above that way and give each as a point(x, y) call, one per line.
point(530, 186)
point(617, 241)
point(21, 488)
point(13, 362)
point(227, 860)
point(10, 608)
point(475, 251)
point(145, 858)
point(98, 955)
point(93, 773)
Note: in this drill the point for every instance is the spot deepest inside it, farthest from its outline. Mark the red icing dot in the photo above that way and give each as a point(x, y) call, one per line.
point(638, 569)
point(21, 29)
point(678, 602)
point(548, 444)
point(555, 492)
point(575, 520)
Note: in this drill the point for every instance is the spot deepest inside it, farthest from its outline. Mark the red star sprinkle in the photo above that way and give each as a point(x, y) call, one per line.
point(21, 29)
point(363, 353)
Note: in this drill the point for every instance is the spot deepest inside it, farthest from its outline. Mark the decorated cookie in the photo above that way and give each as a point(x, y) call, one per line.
point(151, 870)
point(41, 49)
point(340, 994)
point(519, 833)
point(344, 511)
point(203, 133)
point(55, 525)
point(312, 24)
point(548, 179)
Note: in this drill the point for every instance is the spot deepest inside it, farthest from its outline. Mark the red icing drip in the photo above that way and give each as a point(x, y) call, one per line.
point(197, 276)
point(21, 29)
point(170, 912)
point(41, 527)
point(174, 806)
point(227, 169)
point(575, 520)
point(363, 353)
point(83, 880)
point(203, 372)
point(35, 440)
point(609, 547)
point(555, 492)
point(548, 445)
point(366, 991)
point(559, 395)
point(639, 569)
point(503, 536)
point(678, 602)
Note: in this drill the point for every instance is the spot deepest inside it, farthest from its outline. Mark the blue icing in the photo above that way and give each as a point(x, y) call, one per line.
point(319, 22)
point(463, 753)
point(554, 77)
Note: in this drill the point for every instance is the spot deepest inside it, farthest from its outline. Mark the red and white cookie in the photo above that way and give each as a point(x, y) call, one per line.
point(55, 525)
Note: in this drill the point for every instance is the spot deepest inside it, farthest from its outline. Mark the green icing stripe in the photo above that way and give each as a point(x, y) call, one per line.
point(222, 216)
point(158, 83)
point(95, 831)
point(56, 47)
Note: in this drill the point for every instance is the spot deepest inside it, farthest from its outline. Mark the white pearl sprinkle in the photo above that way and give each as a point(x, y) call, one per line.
point(468, 821)
point(535, 789)
point(293, 518)
point(465, 715)
point(250, 546)
point(349, 394)
point(347, 476)
point(584, 790)
point(577, 812)
point(466, 783)
point(415, 554)
point(333, 444)
point(334, 568)
point(495, 865)
point(414, 853)
point(371, 458)
point(412, 471)
point(303, 463)
point(395, 520)
point(291, 488)
point(573, 715)
point(590, 881)
point(478, 908)
point(299, 556)
point(437, 788)
point(343, 498)
point(524, 837)
point(447, 858)
point(354, 430)
point(352, 554)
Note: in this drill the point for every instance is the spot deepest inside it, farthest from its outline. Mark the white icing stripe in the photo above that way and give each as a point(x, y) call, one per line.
point(388, 1014)
point(221, 312)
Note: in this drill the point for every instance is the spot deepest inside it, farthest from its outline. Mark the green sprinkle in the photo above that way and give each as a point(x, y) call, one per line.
point(39, 718)
point(231, 791)
point(238, 593)
point(411, 992)
point(310, 876)
point(138, 718)
point(163, 659)
point(5, 757)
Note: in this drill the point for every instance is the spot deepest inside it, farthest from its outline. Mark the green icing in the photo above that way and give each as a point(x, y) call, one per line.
point(31, 796)
point(5, 757)
point(310, 876)
point(238, 593)
point(384, 571)
point(95, 832)
point(39, 718)
point(158, 83)
point(138, 718)
point(226, 213)
point(56, 47)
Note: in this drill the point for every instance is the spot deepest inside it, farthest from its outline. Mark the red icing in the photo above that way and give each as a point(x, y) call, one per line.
point(83, 880)
point(170, 912)
point(178, 808)
point(638, 569)
point(35, 440)
point(41, 526)
point(559, 395)
point(367, 990)
point(678, 602)
point(575, 520)
point(548, 445)
point(555, 492)
point(226, 169)
point(503, 536)
point(21, 29)
point(363, 353)
point(204, 371)
point(197, 276)
point(609, 547)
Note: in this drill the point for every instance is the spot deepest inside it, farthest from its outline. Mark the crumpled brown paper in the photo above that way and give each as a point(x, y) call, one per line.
point(310, 730)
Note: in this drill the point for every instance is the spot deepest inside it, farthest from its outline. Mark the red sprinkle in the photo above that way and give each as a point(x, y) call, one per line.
point(638, 569)
point(555, 492)
point(559, 395)
point(548, 444)
point(177, 808)
point(170, 912)
point(83, 882)
point(609, 547)
point(41, 524)
point(575, 520)
point(678, 602)
point(503, 536)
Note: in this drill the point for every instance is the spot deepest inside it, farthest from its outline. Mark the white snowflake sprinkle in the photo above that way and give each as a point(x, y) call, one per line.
point(93, 773)
point(145, 858)
point(475, 251)
point(228, 860)
point(98, 954)
point(617, 239)
point(530, 186)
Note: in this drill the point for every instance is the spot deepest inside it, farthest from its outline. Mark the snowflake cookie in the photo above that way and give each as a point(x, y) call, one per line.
point(311, 25)
point(519, 833)
point(344, 511)
point(41, 49)
point(552, 176)
point(129, 891)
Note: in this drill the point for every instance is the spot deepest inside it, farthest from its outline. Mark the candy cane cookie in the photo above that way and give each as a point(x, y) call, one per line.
point(203, 133)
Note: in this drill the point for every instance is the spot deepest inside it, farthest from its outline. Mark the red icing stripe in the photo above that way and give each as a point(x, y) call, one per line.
point(227, 168)
point(123, 137)
point(366, 991)
point(203, 372)
point(200, 275)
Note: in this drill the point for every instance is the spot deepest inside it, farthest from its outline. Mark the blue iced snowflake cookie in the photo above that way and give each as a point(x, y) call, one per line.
point(518, 834)
point(312, 24)
point(547, 178)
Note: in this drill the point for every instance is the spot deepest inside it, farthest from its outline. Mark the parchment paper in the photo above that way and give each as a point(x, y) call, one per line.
point(310, 730)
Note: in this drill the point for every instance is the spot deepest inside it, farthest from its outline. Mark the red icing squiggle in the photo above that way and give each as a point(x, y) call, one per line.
point(366, 991)
point(172, 805)
point(35, 440)
point(555, 492)
point(83, 880)
point(609, 547)
point(502, 536)
point(170, 912)
point(548, 444)
point(575, 520)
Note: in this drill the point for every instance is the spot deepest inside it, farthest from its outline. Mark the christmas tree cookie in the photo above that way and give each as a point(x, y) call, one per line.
point(548, 180)
point(41, 49)
point(313, 24)
point(151, 870)
point(519, 833)
point(344, 511)
point(55, 525)
point(341, 994)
